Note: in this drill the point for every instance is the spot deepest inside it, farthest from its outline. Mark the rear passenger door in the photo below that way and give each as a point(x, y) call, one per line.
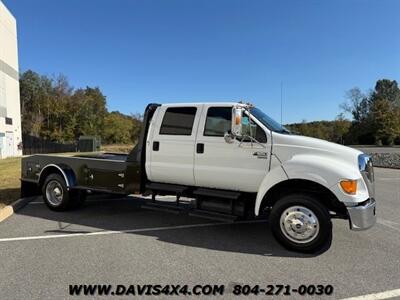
point(172, 144)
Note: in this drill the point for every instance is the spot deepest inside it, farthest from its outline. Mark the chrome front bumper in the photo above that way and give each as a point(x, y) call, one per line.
point(362, 216)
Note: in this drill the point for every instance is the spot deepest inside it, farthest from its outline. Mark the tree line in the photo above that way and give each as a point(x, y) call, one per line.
point(53, 110)
point(375, 118)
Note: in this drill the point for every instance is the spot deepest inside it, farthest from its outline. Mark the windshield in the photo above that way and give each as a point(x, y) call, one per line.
point(268, 121)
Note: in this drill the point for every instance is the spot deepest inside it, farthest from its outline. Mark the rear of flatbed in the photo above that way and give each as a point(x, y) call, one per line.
point(102, 172)
point(84, 173)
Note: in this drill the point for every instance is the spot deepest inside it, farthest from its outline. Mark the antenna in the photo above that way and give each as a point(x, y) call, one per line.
point(281, 101)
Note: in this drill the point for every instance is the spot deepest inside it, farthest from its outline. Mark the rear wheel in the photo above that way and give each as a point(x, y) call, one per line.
point(301, 223)
point(56, 194)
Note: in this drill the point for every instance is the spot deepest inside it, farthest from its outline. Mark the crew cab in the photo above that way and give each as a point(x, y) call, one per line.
point(232, 159)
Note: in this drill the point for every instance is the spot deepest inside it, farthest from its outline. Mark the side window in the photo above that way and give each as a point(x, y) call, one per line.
point(250, 128)
point(218, 122)
point(178, 121)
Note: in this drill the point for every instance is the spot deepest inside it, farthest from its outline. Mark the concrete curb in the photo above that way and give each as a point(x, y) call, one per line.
point(9, 210)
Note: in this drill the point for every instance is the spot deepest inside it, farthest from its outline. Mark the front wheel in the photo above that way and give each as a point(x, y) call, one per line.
point(301, 223)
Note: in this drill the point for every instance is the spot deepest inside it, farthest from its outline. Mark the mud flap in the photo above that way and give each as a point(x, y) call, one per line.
point(29, 189)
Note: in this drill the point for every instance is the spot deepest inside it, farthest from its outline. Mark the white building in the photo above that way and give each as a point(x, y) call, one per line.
point(10, 115)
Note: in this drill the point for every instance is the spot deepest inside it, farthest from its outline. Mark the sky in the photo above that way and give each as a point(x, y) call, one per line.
point(141, 51)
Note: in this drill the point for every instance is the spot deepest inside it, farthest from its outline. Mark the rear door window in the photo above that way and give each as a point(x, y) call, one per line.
point(178, 121)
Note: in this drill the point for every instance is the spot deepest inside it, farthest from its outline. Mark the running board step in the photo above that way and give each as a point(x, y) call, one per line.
point(169, 209)
point(213, 215)
point(172, 207)
point(217, 194)
point(162, 187)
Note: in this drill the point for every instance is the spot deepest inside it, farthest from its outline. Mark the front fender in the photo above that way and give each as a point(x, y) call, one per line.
point(322, 170)
point(328, 172)
point(273, 177)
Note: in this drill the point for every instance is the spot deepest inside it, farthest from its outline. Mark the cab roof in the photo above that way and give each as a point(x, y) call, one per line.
point(205, 103)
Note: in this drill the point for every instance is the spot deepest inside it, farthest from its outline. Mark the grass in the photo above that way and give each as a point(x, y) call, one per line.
point(10, 172)
point(119, 148)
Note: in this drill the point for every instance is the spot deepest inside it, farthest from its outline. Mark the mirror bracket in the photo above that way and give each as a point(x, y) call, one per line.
point(229, 138)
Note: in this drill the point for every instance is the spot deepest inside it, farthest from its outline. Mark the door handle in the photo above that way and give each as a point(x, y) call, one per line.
point(260, 154)
point(200, 148)
point(156, 146)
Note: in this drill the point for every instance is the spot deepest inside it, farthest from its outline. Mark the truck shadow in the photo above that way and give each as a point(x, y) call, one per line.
point(9, 193)
point(129, 214)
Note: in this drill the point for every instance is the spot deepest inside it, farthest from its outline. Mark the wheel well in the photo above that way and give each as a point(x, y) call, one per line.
point(50, 170)
point(304, 186)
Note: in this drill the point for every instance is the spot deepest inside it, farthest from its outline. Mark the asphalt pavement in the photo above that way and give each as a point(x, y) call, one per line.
point(118, 241)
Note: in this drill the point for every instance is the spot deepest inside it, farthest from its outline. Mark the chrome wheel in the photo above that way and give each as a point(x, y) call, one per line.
point(299, 224)
point(54, 192)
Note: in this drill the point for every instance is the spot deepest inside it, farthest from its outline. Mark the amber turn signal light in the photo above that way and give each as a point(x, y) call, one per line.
point(238, 120)
point(349, 186)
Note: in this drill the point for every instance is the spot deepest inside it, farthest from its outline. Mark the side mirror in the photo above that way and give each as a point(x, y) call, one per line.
point(229, 138)
point(237, 113)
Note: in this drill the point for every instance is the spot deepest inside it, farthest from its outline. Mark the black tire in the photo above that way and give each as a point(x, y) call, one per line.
point(65, 200)
point(285, 204)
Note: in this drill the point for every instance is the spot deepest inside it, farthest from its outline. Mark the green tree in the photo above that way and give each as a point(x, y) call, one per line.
point(121, 129)
point(386, 121)
point(53, 110)
point(136, 127)
point(340, 128)
point(385, 111)
point(357, 104)
point(34, 94)
point(91, 106)
point(59, 114)
point(387, 89)
point(376, 116)
point(117, 128)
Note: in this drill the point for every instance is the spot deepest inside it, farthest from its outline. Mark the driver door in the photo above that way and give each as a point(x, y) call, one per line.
point(239, 166)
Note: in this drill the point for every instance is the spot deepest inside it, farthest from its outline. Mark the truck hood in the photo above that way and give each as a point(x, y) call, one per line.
point(286, 146)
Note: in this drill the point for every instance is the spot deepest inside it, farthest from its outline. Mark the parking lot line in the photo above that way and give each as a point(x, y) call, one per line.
point(128, 198)
point(96, 233)
point(389, 224)
point(91, 200)
point(388, 178)
point(96, 200)
point(377, 296)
